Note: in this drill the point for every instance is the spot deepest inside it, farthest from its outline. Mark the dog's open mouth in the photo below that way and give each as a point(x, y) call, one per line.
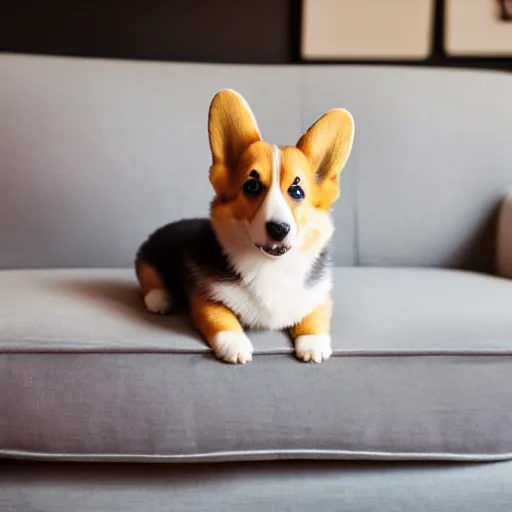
point(274, 250)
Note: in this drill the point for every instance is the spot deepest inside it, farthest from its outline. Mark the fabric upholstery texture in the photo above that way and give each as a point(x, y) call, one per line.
point(392, 311)
point(428, 172)
point(420, 369)
point(252, 487)
point(96, 154)
point(422, 186)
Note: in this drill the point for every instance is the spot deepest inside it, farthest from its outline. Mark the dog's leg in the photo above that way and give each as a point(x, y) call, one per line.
point(222, 330)
point(156, 298)
point(311, 335)
point(158, 301)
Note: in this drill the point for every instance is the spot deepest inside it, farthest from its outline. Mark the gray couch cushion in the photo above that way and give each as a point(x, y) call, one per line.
point(123, 145)
point(253, 487)
point(421, 370)
point(430, 162)
point(378, 311)
point(95, 154)
point(80, 135)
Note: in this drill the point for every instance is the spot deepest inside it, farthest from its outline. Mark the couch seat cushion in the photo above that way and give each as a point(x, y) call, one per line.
point(422, 369)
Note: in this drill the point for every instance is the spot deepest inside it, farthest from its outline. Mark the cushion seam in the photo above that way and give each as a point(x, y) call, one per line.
point(269, 352)
point(262, 455)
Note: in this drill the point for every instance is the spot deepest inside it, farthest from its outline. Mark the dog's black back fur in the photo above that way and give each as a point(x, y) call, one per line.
point(176, 249)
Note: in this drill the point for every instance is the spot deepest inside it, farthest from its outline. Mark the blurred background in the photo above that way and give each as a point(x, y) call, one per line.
point(468, 33)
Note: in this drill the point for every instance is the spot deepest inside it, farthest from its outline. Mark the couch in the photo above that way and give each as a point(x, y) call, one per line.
point(105, 406)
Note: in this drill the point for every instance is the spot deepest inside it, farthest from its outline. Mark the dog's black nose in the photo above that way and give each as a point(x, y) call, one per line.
point(277, 230)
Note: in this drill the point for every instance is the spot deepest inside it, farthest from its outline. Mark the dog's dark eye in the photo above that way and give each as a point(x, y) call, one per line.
point(296, 192)
point(252, 187)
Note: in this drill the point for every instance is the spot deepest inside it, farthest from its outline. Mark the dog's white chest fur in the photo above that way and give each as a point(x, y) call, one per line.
point(272, 294)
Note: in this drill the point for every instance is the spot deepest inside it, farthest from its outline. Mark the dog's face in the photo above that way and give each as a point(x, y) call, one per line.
point(274, 199)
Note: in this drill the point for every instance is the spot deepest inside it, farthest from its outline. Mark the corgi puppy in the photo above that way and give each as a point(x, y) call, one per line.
point(261, 260)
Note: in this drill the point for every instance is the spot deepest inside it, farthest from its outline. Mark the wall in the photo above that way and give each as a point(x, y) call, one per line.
point(263, 31)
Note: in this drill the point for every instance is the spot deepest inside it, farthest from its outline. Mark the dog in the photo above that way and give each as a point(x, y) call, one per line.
point(261, 259)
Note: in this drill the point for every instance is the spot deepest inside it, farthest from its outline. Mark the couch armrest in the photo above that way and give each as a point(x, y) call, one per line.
point(504, 238)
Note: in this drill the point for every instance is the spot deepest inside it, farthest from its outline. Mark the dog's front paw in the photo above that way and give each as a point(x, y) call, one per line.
point(232, 347)
point(313, 347)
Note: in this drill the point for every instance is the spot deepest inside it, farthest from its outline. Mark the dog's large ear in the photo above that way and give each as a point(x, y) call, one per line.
point(232, 128)
point(327, 145)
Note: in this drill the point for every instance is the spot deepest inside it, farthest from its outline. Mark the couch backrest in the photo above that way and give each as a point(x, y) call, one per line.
point(432, 159)
point(95, 154)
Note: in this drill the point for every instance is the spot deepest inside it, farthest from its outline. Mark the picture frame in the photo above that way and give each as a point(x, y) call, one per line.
point(478, 28)
point(367, 29)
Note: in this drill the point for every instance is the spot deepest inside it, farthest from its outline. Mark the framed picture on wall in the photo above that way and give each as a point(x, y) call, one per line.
point(366, 29)
point(478, 28)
